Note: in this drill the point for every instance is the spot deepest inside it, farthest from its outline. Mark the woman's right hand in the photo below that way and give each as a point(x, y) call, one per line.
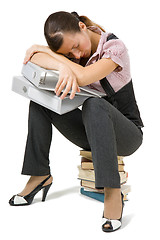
point(34, 49)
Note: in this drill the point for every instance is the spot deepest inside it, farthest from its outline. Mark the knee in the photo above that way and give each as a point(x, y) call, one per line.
point(36, 107)
point(93, 104)
point(96, 107)
point(33, 105)
point(36, 111)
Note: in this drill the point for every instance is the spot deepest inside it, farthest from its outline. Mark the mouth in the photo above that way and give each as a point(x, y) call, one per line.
point(84, 55)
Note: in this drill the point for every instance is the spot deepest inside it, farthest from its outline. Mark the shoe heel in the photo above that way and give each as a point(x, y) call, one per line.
point(45, 191)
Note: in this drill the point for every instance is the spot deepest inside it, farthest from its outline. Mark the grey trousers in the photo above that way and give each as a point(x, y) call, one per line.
point(98, 127)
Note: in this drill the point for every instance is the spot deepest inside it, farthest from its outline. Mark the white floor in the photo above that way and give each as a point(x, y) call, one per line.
point(66, 213)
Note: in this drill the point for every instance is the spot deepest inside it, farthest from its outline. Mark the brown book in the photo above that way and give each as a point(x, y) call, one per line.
point(90, 186)
point(88, 155)
point(121, 167)
point(88, 164)
point(90, 175)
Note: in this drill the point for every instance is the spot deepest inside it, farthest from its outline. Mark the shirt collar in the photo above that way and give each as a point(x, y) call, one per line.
point(102, 40)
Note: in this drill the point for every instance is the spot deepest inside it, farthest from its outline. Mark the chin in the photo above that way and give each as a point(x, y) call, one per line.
point(88, 54)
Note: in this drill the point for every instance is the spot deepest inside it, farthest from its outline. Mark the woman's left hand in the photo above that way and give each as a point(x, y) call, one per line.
point(34, 49)
point(67, 80)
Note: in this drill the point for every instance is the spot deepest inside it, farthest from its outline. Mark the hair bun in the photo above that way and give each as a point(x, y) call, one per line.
point(75, 14)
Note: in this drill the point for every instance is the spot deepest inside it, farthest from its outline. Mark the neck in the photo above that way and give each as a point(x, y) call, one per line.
point(94, 37)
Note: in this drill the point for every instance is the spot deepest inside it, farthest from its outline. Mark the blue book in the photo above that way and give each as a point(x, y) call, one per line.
point(94, 195)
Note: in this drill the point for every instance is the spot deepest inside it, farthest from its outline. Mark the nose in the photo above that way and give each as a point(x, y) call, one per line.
point(77, 54)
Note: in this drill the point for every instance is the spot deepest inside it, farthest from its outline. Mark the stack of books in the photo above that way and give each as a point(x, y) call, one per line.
point(87, 177)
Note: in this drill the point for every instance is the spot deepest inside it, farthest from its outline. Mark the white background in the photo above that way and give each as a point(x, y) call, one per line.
point(67, 213)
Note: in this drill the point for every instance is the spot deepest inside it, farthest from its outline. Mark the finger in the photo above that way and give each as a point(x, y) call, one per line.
point(78, 89)
point(66, 91)
point(28, 57)
point(60, 88)
point(29, 53)
point(60, 80)
point(74, 89)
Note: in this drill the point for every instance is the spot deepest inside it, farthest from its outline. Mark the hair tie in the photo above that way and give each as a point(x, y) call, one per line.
point(76, 15)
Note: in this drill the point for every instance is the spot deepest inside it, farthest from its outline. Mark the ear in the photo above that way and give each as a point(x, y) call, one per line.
point(82, 26)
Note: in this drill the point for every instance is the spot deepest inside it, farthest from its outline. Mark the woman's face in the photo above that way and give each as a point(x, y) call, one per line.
point(76, 45)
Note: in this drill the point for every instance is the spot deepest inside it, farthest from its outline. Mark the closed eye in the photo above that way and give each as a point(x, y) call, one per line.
point(77, 46)
point(70, 55)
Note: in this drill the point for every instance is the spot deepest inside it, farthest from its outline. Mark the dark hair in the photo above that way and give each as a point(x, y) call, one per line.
point(63, 22)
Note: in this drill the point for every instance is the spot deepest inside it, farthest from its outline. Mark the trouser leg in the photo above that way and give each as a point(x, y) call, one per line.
point(36, 158)
point(99, 127)
point(109, 134)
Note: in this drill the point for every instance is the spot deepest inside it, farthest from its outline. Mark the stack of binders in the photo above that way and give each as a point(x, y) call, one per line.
point(38, 84)
point(87, 177)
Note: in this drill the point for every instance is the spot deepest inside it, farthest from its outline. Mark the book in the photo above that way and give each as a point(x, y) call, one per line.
point(88, 155)
point(100, 196)
point(88, 164)
point(90, 185)
point(87, 177)
point(90, 175)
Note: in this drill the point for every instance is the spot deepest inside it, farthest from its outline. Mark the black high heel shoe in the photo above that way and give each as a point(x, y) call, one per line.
point(113, 224)
point(18, 200)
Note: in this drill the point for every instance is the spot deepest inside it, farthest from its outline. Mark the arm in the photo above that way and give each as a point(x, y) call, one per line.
point(67, 78)
point(46, 61)
point(84, 75)
point(89, 74)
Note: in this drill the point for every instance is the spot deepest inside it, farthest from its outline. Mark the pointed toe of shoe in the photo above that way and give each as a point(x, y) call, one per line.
point(11, 201)
point(17, 200)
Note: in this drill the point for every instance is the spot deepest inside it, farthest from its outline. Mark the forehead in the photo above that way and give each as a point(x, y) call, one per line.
point(69, 41)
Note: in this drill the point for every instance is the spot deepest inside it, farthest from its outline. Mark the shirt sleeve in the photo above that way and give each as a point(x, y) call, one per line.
point(115, 50)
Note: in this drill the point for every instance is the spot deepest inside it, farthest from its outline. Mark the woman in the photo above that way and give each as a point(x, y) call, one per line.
point(84, 54)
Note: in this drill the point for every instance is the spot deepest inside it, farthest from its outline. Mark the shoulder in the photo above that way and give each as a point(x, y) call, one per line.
point(116, 50)
point(115, 46)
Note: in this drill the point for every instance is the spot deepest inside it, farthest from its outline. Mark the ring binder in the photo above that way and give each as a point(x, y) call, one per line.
point(38, 84)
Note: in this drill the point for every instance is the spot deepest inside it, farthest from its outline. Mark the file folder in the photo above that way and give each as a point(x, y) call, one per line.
point(38, 84)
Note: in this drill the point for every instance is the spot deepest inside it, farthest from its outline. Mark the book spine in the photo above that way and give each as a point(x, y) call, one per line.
point(97, 196)
point(88, 155)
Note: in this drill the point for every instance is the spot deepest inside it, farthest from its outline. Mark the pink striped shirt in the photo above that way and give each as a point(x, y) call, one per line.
point(117, 51)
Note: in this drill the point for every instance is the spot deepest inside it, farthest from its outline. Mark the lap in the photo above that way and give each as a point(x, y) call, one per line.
point(71, 126)
point(127, 135)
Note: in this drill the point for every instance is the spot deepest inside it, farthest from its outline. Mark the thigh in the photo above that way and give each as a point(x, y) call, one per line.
point(111, 124)
point(128, 135)
point(71, 126)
